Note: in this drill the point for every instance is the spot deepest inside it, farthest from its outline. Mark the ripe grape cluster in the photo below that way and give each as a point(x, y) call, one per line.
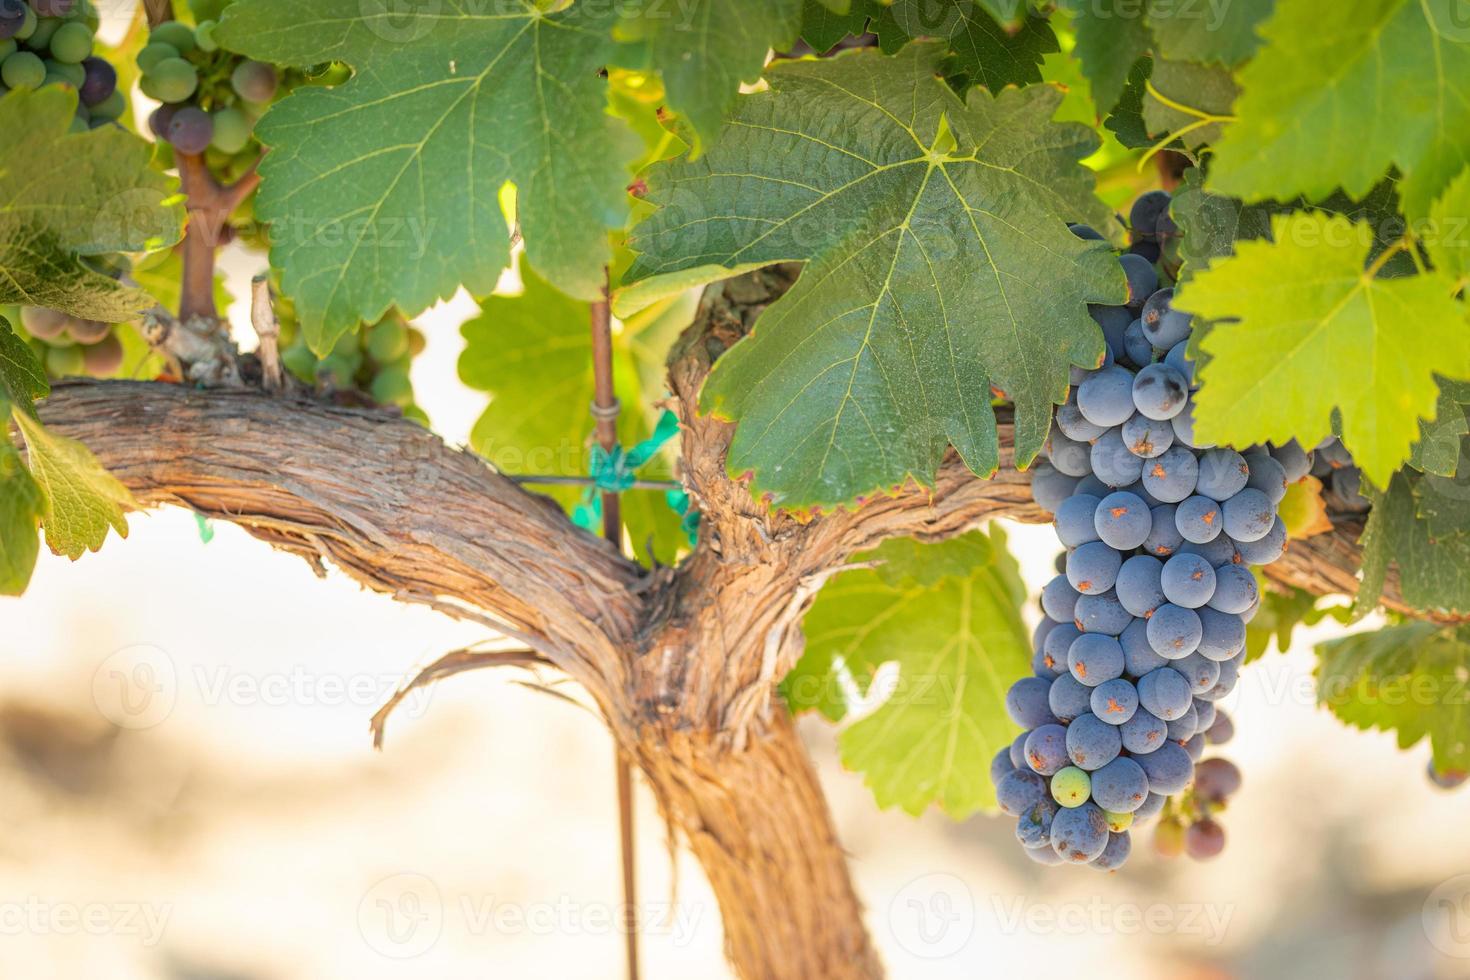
point(1145, 626)
point(50, 42)
point(374, 360)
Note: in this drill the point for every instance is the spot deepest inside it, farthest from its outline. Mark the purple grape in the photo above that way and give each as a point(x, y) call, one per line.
point(1019, 790)
point(1076, 519)
point(1168, 768)
point(1059, 600)
point(1144, 732)
point(1068, 698)
point(100, 83)
point(1222, 635)
point(1199, 519)
point(1026, 702)
point(1046, 749)
point(1174, 631)
point(1080, 834)
point(1187, 580)
point(1163, 536)
point(1033, 828)
point(1120, 786)
point(1222, 474)
point(1114, 701)
point(190, 130)
point(1094, 658)
point(1112, 462)
point(1115, 854)
point(1138, 586)
point(1138, 656)
point(1249, 515)
point(1092, 569)
point(1102, 614)
point(1122, 520)
point(1160, 392)
point(1172, 476)
point(1164, 693)
point(1106, 397)
point(1092, 743)
point(1146, 437)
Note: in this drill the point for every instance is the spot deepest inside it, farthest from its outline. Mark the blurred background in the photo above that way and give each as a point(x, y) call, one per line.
point(190, 793)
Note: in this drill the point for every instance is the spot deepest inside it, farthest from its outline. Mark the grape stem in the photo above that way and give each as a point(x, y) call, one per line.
point(210, 206)
point(268, 329)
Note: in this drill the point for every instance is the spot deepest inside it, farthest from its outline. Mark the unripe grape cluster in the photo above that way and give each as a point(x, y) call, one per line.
point(374, 360)
point(50, 42)
point(1145, 626)
point(69, 345)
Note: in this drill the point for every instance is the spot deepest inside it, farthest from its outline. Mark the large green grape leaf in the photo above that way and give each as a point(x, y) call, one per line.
point(82, 499)
point(1448, 234)
point(1434, 570)
point(1125, 121)
point(705, 48)
point(67, 195)
point(1341, 91)
point(533, 353)
point(21, 505)
point(1409, 679)
point(1111, 37)
point(1208, 31)
point(383, 191)
point(985, 52)
point(946, 615)
point(939, 265)
point(1311, 332)
point(1280, 614)
point(1438, 448)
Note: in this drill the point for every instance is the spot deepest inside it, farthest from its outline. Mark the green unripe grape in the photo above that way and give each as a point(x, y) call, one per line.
point(387, 341)
point(231, 130)
point(63, 361)
point(347, 345)
point(111, 107)
point(1169, 837)
point(338, 370)
point(300, 361)
point(23, 70)
point(75, 75)
point(204, 36)
point(88, 331)
point(1071, 786)
point(41, 36)
point(393, 387)
point(254, 81)
point(28, 25)
point(416, 341)
point(3, 89)
point(153, 53)
point(1118, 822)
point(78, 124)
point(7, 48)
point(72, 43)
point(174, 79)
point(172, 32)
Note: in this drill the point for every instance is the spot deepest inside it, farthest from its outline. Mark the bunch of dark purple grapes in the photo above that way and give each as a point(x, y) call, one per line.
point(1144, 630)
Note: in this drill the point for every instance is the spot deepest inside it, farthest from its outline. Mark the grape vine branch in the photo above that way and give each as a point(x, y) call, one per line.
point(683, 662)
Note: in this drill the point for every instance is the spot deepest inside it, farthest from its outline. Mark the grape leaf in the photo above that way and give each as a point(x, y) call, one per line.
point(1207, 89)
point(22, 376)
point(1279, 616)
point(939, 266)
point(823, 26)
point(21, 505)
point(1448, 234)
point(1126, 119)
point(67, 195)
point(82, 499)
point(958, 642)
point(1310, 332)
point(705, 48)
point(1212, 223)
point(533, 353)
point(383, 190)
point(1111, 37)
point(1303, 509)
point(1434, 571)
point(1341, 91)
point(1207, 31)
point(984, 52)
point(1409, 679)
point(1438, 448)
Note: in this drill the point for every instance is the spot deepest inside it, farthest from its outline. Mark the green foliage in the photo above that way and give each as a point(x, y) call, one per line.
point(1222, 33)
point(984, 52)
point(704, 49)
point(1434, 569)
point(1111, 37)
point(1281, 613)
point(104, 199)
point(910, 206)
point(947, 616)
point(383, 191)
point(1438, 448)
point(1311, 333)
point(1341, 91)
point(1409, 679)
point(21, 505)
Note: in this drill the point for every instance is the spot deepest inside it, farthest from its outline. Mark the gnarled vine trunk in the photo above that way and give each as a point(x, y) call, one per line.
point(683, 662)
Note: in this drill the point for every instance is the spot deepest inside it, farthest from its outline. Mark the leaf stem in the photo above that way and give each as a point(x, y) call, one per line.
point(1185, 109)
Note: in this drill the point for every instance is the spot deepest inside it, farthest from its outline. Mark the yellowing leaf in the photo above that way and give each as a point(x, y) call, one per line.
point(21, 505)
point(1304, 510)
point(1309, 331)
point(82, 499)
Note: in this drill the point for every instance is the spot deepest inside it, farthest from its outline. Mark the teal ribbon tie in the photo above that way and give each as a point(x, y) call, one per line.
point(615, 471)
